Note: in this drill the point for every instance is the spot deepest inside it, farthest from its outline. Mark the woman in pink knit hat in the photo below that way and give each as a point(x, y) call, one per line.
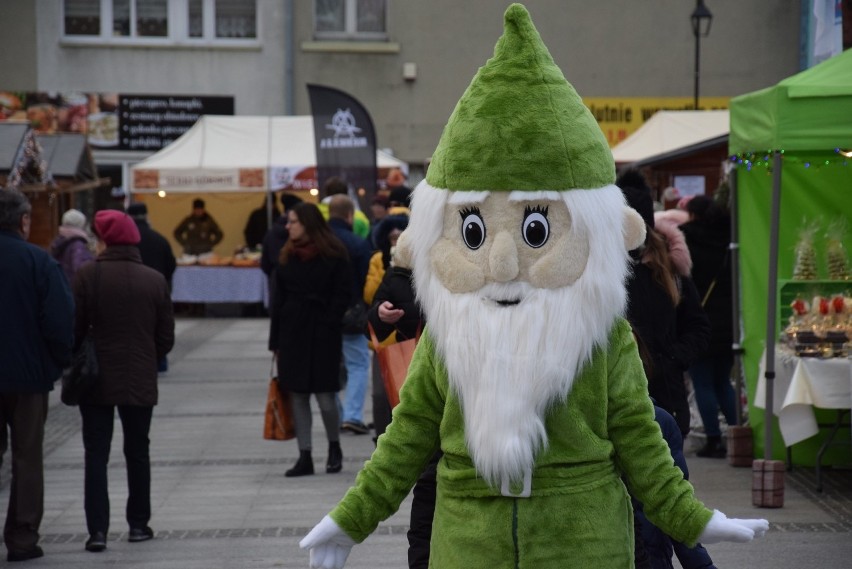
point(127, 309)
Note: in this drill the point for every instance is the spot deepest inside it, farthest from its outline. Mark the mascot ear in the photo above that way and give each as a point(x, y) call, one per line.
point(634, 229)
point(402, 253)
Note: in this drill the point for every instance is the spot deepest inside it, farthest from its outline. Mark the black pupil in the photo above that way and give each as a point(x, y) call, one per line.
point(473, 234)
point(536, 233)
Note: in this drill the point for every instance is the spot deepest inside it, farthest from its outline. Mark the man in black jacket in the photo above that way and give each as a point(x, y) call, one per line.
point(155, 250)
point(36, 336)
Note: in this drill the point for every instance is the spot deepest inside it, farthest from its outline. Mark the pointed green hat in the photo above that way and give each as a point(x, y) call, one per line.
point(520, 125)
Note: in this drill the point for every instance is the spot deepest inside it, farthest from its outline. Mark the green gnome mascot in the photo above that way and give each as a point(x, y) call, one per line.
point(527, 377)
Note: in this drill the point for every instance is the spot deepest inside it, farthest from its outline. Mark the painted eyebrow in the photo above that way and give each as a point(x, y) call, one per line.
point(536, 209)
point(460, 198)
point(465, 211)
point(543, 195)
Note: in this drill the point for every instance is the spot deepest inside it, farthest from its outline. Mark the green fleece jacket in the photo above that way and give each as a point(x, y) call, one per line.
point(578, 510)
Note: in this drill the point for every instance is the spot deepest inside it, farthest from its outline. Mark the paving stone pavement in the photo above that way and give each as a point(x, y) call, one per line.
point(220, 500)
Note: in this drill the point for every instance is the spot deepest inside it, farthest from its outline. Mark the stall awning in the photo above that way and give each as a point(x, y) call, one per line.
point(811, 110)
point(236, 153)
point(68, 155)
point(11, 137)
point(667, 132)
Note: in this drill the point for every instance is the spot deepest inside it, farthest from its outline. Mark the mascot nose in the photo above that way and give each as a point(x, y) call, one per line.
point(503, 258)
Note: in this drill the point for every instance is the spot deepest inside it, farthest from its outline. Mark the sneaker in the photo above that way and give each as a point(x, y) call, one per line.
point(140, 534)
point(356, 427)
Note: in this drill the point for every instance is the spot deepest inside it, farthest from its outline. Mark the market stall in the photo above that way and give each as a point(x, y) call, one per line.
point(792, 146)
point(674, 148)
point(55, 171)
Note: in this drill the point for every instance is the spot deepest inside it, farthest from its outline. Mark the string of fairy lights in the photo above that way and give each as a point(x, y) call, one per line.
point(751, 160)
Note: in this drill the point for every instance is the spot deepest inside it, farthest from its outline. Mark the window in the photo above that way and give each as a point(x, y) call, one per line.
point(159, 21)
point(350, 19)
point(140, 18)
point(82, 18)
point(235, 19)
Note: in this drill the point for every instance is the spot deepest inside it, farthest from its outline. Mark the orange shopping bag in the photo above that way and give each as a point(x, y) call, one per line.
point(278, 418)
point(393, 363)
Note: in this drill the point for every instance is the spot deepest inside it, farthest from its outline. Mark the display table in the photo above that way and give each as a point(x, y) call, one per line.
point(802, 384)
point(200, 284)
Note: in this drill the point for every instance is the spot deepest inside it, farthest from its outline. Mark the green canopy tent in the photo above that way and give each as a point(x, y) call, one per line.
point(791, 144)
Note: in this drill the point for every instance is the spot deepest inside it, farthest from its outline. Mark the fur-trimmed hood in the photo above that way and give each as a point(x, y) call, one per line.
point(678, 251)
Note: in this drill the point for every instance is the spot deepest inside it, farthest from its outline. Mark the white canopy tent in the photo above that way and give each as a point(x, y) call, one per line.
point(238, 154)
point(234, 163)
point(669, 131)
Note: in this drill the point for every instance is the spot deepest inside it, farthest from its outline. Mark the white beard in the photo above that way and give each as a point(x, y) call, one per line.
point(510, 364)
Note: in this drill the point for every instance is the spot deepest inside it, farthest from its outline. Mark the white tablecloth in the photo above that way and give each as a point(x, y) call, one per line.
point(220, 284)
point(802, 384)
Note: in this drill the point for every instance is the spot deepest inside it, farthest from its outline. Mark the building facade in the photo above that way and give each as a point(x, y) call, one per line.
point(407, 62)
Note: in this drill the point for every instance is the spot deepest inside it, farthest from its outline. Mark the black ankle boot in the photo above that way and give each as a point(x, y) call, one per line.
point(303, 466)
point(712, 448)
point(335, 458)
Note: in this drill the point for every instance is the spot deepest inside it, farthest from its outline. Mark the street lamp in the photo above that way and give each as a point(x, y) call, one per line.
point(701, 19)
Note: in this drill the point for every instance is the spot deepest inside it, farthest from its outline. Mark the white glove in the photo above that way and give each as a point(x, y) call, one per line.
point(329, 545)
point(722, 528)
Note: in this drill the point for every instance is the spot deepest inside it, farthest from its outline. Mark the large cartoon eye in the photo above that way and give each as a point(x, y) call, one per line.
point(535, 229)
point(473, 228)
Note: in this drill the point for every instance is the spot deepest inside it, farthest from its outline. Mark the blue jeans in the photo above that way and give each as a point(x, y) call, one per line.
point(711, 379)
point(356, 357)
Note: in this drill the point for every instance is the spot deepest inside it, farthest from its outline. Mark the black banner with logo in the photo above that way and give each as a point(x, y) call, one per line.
point(345, 141)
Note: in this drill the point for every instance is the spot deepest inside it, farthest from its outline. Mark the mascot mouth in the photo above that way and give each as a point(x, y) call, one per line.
point(505, 295)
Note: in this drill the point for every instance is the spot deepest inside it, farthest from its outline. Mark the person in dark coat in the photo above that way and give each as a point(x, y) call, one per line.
point(155, 249)
point(663, 307)
point(156, 253)
point(395, 308)
point(36, 336)
point(313, 284)
point(652, 547)
point(656, 545)
point(708, 233)
point(71, 246)
point(129, 308)
point(258, 224)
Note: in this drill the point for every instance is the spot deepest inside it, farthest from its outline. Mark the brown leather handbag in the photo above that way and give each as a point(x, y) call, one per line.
point(278, 419)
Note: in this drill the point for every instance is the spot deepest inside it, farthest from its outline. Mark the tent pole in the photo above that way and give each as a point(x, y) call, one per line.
point(734, 248)
point(269, 194)
point(771, 309)
point(269, 206)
